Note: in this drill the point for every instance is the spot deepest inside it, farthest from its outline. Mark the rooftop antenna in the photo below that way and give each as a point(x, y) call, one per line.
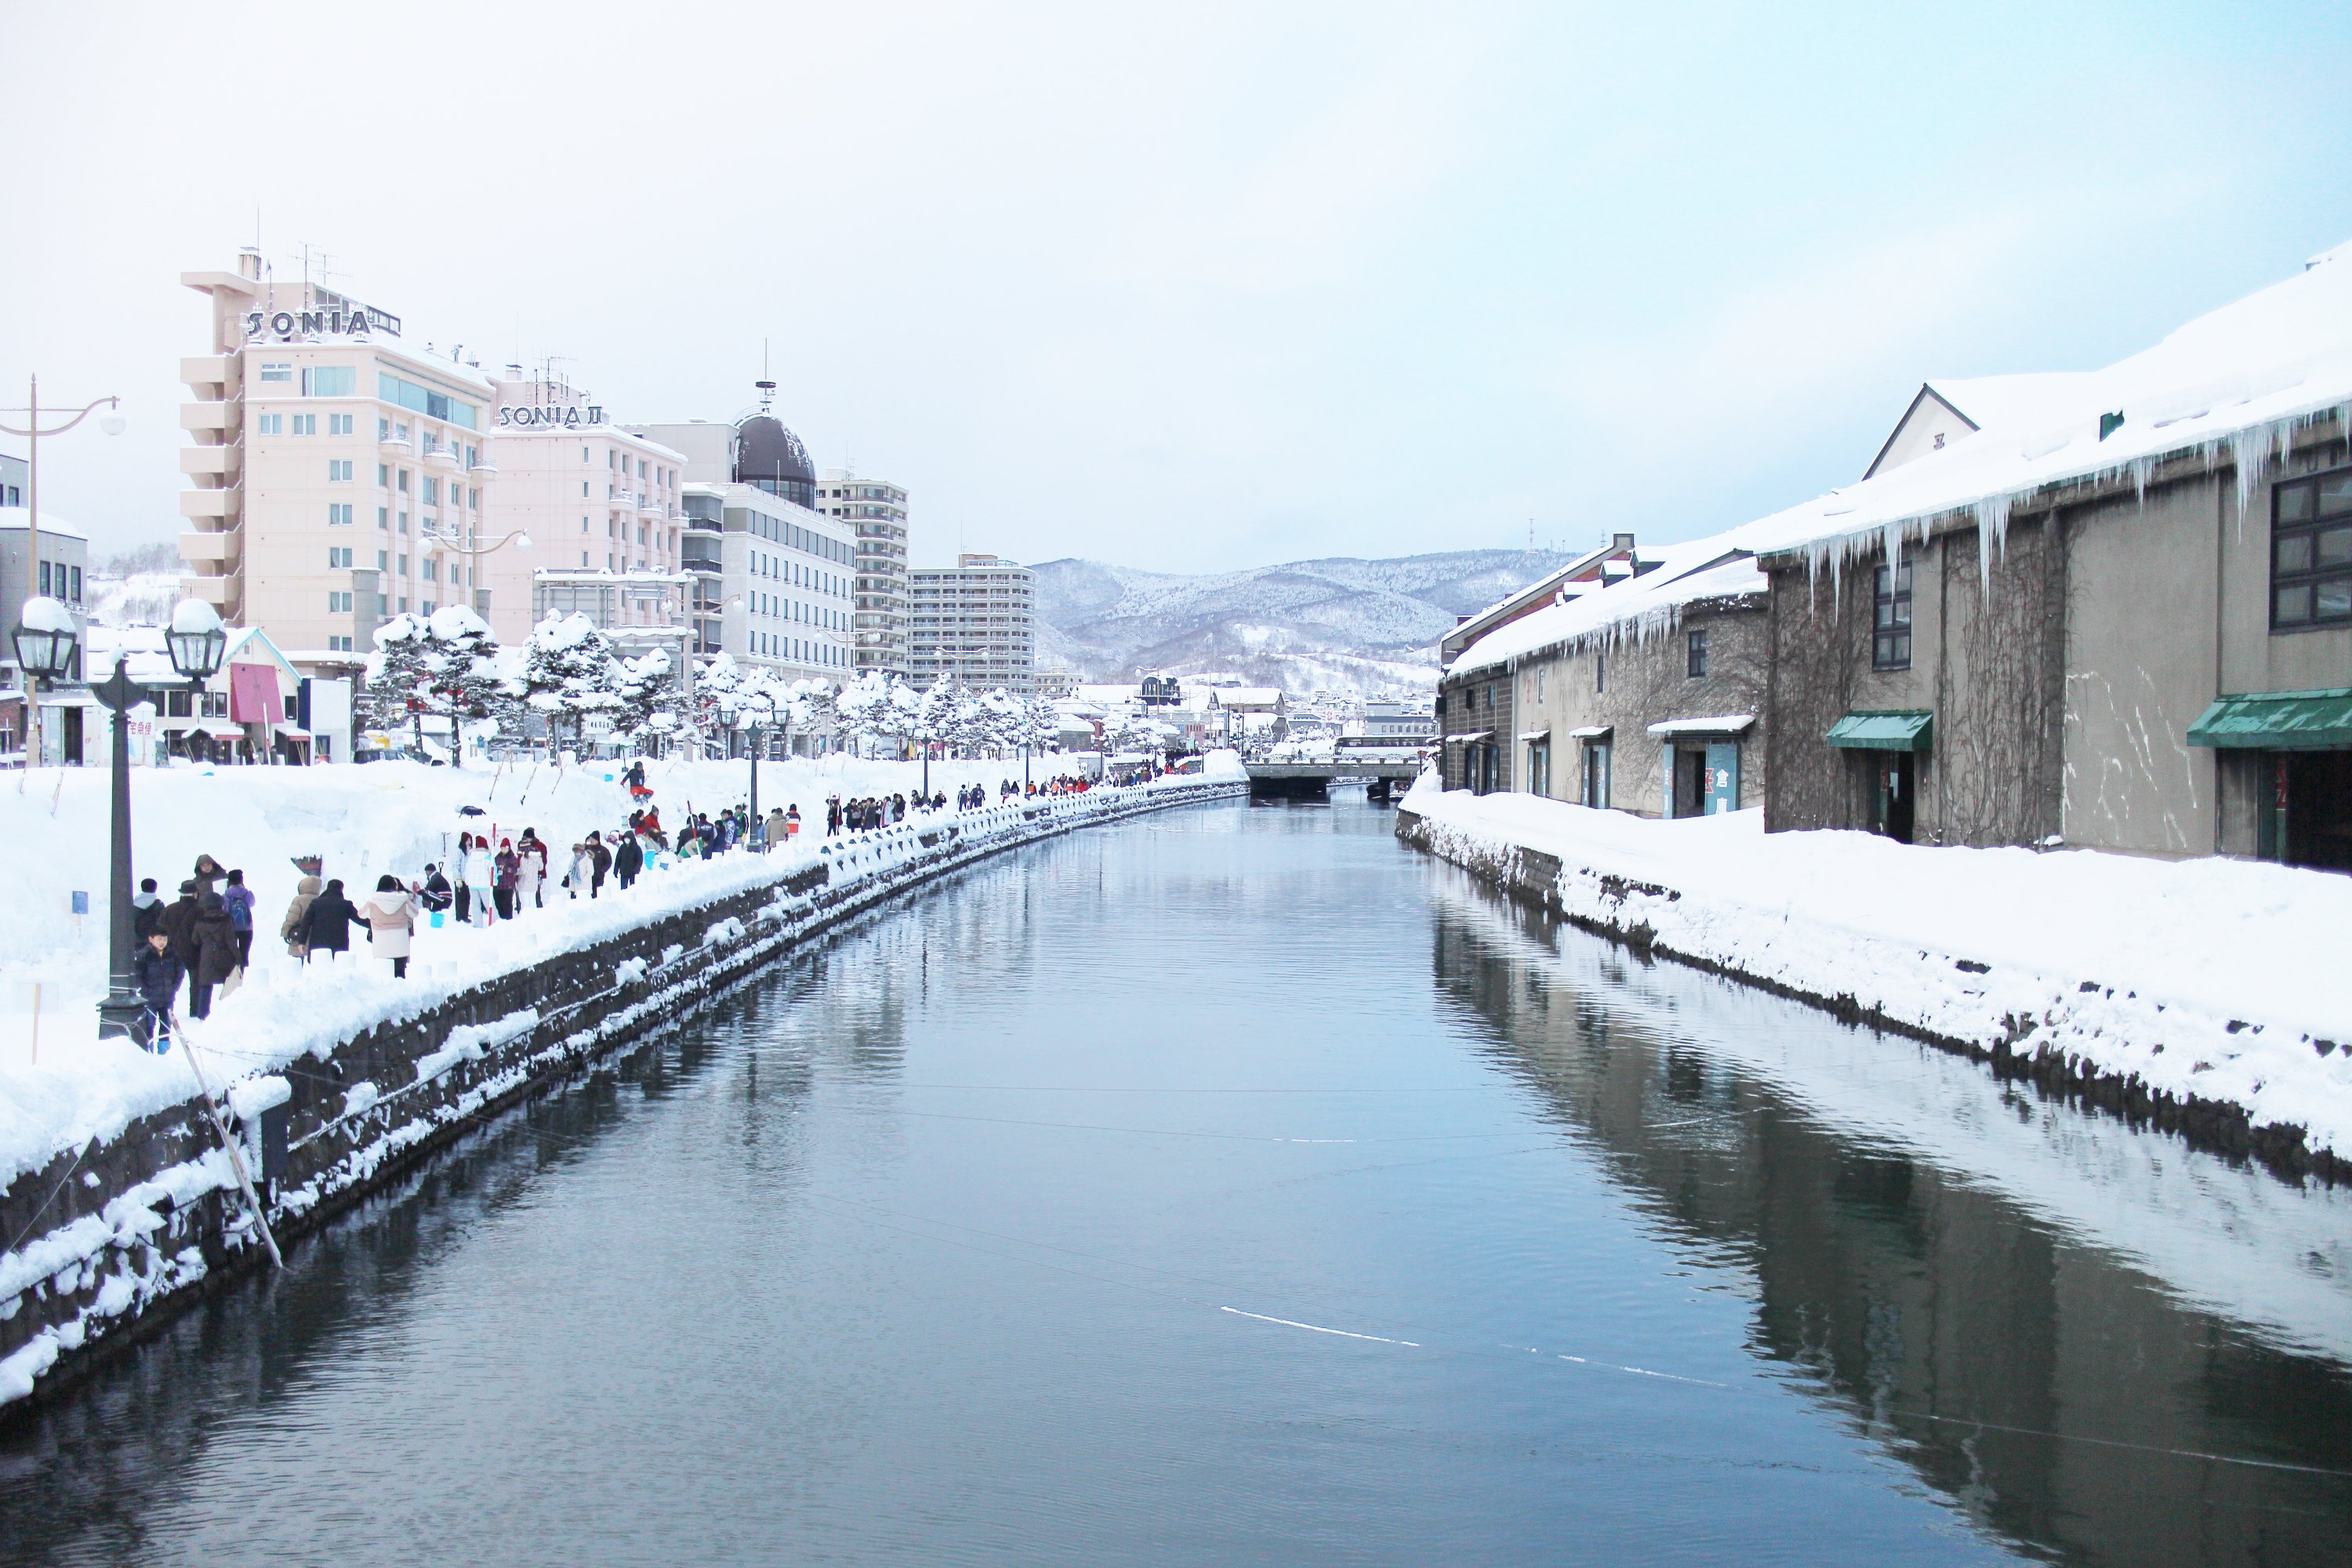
point(767, 387)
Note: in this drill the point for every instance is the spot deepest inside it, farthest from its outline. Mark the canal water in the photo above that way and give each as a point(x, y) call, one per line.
point(1236, 1187)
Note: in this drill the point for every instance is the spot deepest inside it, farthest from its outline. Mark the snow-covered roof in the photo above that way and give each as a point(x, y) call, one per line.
point(1720, 724)
point(1636, 606)
point(19, 517)
point(251, 645)
point(1247, 696)
point(2239, 380)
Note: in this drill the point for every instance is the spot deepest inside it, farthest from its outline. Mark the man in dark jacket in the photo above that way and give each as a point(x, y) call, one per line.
point(437, 894)
point(216, 955)
point(327, 925)
point(178, 924)
point(600, 861)
point(146, 910)
point(628, 860)
point(157, 974)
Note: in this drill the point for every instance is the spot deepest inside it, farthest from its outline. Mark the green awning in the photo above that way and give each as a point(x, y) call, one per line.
point(1909, 732)
point(2279, 720)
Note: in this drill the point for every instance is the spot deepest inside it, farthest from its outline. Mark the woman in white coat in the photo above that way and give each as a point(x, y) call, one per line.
point(481, 876)
point(391, 916)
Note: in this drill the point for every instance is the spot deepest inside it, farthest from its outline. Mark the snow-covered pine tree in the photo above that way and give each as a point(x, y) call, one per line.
point(568, 673)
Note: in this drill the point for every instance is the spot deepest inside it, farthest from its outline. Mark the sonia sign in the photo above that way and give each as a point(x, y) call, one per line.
point(542, 417)
point(337, 320)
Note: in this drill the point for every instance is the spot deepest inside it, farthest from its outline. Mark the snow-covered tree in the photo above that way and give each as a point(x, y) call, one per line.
point(644, 690)
point(568, 672)
point(446, 665)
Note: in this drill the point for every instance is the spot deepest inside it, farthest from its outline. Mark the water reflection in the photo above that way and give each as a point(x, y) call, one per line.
point(2037, 1375)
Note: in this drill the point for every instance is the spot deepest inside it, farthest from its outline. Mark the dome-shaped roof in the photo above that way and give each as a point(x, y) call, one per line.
point(769, 455)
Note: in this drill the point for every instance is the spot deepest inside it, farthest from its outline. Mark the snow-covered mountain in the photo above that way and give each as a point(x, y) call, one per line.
point(1340, 622)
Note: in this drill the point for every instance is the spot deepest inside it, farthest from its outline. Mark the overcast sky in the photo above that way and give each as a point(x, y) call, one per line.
point(1188, 287)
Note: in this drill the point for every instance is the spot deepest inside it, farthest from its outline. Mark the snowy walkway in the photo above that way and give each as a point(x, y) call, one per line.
point(2224, 980)
point(386, 817)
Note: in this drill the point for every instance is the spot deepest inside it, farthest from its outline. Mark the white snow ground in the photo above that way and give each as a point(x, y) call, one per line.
point(2216, 978)
point(365, 821)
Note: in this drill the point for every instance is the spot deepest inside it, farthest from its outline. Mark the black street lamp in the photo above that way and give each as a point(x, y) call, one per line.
point(45, 639)
point(196, 643)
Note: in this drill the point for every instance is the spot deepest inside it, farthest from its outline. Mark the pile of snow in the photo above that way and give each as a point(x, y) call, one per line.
point(364, 822)
point(2221, 979)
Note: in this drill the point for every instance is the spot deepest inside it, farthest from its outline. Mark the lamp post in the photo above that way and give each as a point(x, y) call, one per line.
point(32, 431)
point(45, 639)
point(196, 642)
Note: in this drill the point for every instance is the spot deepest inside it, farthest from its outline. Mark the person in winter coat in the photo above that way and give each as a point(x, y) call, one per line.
point(628, 860)
point(481, 873)
point(457, 874)
point(291, 928)
point(207, 874)
point(157, 974)
point(327, 925)
point(215, 943)
point(506, 877)
point(778, 828)
point(436, 895)
point(178, 924)
point(391, 917)
point(576, 877)
point(600, 861)
point(146, 910)
point(533, 878)
point(239, 898)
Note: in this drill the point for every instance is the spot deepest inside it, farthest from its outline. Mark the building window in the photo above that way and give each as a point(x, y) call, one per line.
point(339, 603)
point(1599, 672)
point(329, 381)
point(277, 369)
point(384, 518)
point(271, 423)
point(339, 514)
point(339, 470)
point(306, 425)
point(2311, 552)
point(338, 423)
point(1696, 665)
point(338, 556)
point(1890, 645)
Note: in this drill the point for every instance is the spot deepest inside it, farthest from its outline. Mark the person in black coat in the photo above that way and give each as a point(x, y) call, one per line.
point(146, 911)
point(217, 954)
point(327, 926)
point(157, 974)
point(600, 861)
point(628, 860)
point(178, 924)
point(437, 894)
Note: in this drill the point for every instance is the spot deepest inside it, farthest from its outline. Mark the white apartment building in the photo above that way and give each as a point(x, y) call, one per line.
point(877, 510)
point(774, 579)
point(975, 623)
point(591, 516)
point(338, 475)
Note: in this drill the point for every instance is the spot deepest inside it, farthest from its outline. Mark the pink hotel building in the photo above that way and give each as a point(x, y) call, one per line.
point(340, 478)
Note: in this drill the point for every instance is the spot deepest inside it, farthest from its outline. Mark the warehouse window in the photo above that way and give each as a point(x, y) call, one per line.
point(2311, 552)
point(1696, 665)
point(1890, 647)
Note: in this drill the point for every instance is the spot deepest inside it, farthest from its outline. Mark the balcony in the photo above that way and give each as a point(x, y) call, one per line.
point(220, 593)
point(218, 506)
point(441, 457)
point(224, 549)
point(482, 468)
point(222, 463)
point(209, 373)
point(395, 447)
point(222, 420)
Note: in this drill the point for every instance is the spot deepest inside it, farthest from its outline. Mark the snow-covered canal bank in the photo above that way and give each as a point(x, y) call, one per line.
point(2206, 995)
point(1239, 1186)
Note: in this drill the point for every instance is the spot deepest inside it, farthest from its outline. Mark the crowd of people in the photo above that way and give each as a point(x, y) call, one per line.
point(204, 938)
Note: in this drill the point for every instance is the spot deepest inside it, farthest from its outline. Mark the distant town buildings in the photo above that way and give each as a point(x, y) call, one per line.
point(774, 578)
point(878, 512)
point(975, 623)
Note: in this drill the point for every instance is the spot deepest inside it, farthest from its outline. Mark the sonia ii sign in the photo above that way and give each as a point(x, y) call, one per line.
point(542, 416)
